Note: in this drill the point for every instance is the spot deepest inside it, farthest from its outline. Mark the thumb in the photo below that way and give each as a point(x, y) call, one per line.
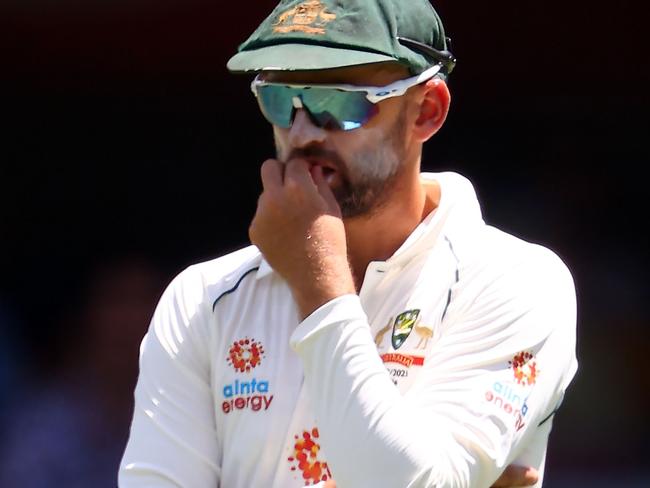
point(325, 191)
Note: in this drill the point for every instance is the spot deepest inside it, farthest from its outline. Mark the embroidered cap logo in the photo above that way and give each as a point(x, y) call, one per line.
point(309, 17)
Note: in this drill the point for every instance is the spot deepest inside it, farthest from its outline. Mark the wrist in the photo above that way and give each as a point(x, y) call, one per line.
point(332, 280)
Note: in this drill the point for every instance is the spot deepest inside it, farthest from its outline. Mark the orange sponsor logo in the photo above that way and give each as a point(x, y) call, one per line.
point(524, 368)
point(305, 458)
point(245, 354)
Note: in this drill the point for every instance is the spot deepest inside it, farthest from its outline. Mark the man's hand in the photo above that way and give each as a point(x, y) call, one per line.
point(299, 230)
point(513, 476)
point(517, 476)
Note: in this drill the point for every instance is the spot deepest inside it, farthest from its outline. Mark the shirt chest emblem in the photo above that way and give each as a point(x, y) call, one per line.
point(401, 327)
point(408, 332)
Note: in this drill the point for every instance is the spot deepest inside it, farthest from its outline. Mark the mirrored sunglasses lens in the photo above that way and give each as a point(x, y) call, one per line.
point(337, 109)
point(328, 108)
point(276, 104)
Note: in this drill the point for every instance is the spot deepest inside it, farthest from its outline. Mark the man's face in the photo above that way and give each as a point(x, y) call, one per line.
point(363, 165)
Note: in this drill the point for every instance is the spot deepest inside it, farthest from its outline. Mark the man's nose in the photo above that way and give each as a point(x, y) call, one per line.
point(303, 132)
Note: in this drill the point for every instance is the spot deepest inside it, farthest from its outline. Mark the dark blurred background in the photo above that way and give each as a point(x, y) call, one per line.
point(128, 152)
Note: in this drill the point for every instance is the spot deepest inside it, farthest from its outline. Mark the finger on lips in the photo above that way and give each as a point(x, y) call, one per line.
point(316, 172)
point(324, 188)
point(298, 171)
point(298, 177)
point(297, 167)
point(271, 172)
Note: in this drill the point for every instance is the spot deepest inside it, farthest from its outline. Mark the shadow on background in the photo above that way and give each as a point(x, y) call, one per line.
point(67, 425)
point(131, 153)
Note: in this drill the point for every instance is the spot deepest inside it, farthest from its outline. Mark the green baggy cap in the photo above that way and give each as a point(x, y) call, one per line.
point(325, 34)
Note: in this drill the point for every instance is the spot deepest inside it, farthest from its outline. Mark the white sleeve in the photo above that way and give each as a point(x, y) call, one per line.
point(173, 439)
point(442, 432)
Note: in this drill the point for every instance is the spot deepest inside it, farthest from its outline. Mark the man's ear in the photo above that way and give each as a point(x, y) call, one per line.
point(434, 106)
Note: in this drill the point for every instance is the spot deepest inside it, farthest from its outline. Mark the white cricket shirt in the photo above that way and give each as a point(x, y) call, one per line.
point(446, 368)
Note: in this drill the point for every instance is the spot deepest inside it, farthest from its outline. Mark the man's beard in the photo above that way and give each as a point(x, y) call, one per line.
point(367, 183)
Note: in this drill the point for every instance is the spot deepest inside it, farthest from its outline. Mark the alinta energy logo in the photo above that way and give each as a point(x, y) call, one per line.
point(245, 354)
point(251, 394)
point(511, 395)
point(524, 368)
point(305, 458)
point(510, 400)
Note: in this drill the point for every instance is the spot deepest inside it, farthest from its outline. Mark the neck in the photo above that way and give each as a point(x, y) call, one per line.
point(376, 237)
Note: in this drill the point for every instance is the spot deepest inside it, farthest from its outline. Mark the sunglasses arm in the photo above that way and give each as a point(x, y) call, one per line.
point(398, 88)
point(373, 93)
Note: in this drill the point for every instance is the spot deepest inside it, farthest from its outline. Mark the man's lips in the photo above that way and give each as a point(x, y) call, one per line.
point(329, 170)
point(327, 166)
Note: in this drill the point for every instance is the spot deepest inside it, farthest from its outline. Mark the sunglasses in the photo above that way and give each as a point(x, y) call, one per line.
point(332, 107)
